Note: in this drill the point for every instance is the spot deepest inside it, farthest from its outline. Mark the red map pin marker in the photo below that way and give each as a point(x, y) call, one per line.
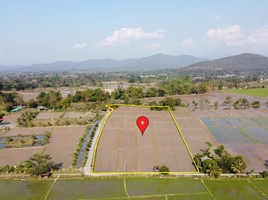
point(142, 123)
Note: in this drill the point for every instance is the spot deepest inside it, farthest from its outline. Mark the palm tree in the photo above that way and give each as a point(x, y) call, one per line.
point(238, 166)
point(214, 169)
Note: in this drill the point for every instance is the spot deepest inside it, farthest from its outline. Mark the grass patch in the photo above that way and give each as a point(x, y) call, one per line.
point(190, 197)
point(251, 92)
point(24, 189)
point(232, 189)
point(162, 186)
point(137, 198)
point(262, 185)
point(87, 189)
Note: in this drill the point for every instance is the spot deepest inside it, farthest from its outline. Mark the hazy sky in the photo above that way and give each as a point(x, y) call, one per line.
point(47, 31)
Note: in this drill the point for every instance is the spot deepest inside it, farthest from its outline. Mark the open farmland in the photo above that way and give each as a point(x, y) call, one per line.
point(243, 132)
point(122, 147)
point(16, 155)
point(63, 143)
point(251, 92)
point(27, 131)
point(78, 115)
point(12, 118)
point(49, 115)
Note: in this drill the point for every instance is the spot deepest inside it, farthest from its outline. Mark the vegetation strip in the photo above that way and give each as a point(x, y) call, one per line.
point(125, 186)
point(51, 187)
point(258, 189)
point(207, 189)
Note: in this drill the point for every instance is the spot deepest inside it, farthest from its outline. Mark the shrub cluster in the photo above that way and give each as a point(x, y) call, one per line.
point(26, 118)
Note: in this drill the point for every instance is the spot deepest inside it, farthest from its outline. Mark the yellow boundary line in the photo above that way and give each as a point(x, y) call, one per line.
point(95, 150)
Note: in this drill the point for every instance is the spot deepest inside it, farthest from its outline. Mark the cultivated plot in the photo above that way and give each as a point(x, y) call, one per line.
point(27, 131)
point(208, 122)
point(17, 190)
point(255, 156)
point(11, 118)
point(221, 122)
point(261, 121)
point(258, 134)
point(16, 155)
point(63, 143)
point(49, 115)
point(87, 189)
point(122, 147)
point(234, 121)
point(249, 121)
point(232, 190)
point(77, 115)
point(227, 135)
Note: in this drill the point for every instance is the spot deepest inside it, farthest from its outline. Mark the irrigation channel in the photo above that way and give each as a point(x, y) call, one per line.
point(82, 152)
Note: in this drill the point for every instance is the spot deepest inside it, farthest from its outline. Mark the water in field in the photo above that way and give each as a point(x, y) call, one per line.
point(89, 132)
point(40, 137)
point(84, 146)
point(2, 146)
point(96, 122)
point(80, 158)
point(197, 108)
point(3, 139)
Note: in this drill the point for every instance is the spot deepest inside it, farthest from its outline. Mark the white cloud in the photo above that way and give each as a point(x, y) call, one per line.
point(217, 17)
point(124, 35)
point(19, 54)
point(1, 53)
point(187, 43)
point(80, 46)
point(40, 53)
point(230, 35)
point(153, 46)
point(259, 37)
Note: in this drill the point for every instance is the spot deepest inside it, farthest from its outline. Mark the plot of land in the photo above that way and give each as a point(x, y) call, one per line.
point(228, 135)
point(63, 143)
point(11, 118)
point(258, 134)
point(49, 115)
point(233, 190)
point(85, 189)
point(17, 190)
point(122, 147)
point(152, 186)
point(251, 92)
point(255, 155)
point(77, 115)
point(27, 131)
point(16, 155)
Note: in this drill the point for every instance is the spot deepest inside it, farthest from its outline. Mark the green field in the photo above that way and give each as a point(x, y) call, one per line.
point(251, 92)
point(232, 189)
point(24, 189)
point(150, 188)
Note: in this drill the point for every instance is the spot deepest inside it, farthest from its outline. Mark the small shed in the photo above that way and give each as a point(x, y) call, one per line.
point(45, 175)
point(204, 158)
point(42, 108)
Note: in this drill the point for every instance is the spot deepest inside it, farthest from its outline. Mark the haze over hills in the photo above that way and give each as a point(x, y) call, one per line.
point(238, 63)
point(159, 61)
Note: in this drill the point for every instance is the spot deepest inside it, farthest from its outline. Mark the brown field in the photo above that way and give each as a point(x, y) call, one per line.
point(193, 131)
point(212, 97)
point(14, 156)
point(44, 121)
point(256, 156)
point(11, 118)
point(77, 115)
point(122, 148)
point(63, 144)
point(27, 131)
point(49, 115)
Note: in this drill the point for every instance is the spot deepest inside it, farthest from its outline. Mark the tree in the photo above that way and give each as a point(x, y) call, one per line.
point(38, 164)
point(220, 86)
point(164, 169)
point(65, 103)
point(229, 101)
point(178, 102)
point(170, 102)
point(32, 103)
point(238, 165)
point(213, 169)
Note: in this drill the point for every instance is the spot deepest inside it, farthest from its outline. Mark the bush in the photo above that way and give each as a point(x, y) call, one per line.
point(265, 174)
point(164, 169)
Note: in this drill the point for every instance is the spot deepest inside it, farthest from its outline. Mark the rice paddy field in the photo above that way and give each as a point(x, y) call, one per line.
point(166, 188)
point(242, 132)
point(251, 92)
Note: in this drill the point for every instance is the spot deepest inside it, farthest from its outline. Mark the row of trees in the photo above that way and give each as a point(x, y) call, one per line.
point(219, 161)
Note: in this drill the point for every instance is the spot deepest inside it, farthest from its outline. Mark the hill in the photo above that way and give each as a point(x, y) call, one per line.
point(159, 61)
point(238, 63)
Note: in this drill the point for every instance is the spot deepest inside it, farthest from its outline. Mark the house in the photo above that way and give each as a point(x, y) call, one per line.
point(204, 158)
point(45, 175)
point(156, 168)
point(42, 108)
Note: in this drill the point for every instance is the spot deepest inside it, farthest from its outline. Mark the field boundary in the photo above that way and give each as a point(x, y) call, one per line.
point(94, 156)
